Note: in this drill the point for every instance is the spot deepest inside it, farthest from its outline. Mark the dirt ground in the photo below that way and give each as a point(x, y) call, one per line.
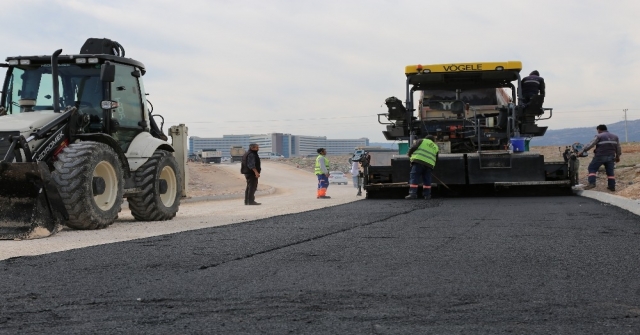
point(627, 172)
point(210, 179)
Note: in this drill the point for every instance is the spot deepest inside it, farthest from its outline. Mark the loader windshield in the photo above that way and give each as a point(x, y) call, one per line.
point(30, 88)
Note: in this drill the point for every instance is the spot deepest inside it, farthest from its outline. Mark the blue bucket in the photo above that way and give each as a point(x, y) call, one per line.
point(517, 143)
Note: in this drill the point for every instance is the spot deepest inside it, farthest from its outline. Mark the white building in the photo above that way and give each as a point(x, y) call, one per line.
point(344, 146)
point(223, 143)
point(284, 144)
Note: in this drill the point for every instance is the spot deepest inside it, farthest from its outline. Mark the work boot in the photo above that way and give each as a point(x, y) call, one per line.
point(324, 197)
point(590, 186)
point(254, 203)
point(427, 197)
point(612, 189)
point(411, 196)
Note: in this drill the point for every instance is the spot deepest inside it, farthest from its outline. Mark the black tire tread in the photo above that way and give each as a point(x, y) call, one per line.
point(146, 205)
point(72, 171)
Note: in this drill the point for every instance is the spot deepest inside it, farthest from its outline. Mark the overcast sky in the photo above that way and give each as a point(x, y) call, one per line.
point(324, 68)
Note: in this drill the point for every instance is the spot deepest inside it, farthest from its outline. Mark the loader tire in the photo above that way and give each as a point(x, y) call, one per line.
point(160, 180)
point(79, 168)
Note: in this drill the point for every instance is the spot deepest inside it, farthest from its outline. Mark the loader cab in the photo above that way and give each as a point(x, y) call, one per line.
point(28, 88)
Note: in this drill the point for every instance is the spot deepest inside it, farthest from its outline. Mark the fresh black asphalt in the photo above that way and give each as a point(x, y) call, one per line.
point(536, 265)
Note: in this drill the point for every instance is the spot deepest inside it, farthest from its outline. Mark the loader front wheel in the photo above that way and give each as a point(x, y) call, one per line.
point(89, 178)
point(159, 180)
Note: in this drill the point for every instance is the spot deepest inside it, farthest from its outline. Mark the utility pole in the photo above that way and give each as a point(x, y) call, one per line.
point(626, 138)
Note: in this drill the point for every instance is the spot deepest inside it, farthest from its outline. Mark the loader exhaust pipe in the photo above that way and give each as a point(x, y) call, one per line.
point(54, 76)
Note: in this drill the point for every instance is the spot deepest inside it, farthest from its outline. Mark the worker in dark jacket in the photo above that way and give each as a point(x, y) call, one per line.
point(607, 153)
point(532, 85)
point(423, 156)
point(250, 167)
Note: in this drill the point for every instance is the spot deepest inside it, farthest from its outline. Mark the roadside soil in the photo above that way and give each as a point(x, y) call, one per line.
point(211, 180)
point(627, 171)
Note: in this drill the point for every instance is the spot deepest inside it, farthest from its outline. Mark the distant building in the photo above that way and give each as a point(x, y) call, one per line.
point(284, 144)
point(345, 146)
point(223, 143)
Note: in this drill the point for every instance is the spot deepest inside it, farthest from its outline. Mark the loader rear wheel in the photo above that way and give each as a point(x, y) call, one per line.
point(89, 178)
point(159, 179)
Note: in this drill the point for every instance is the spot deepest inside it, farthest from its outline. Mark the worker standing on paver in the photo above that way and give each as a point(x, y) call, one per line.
point(607, 153)
point(322, 172)
point(423, 156)
point(532, 85)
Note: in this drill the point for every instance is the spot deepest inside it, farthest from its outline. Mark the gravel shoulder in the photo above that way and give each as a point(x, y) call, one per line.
point(290, 190)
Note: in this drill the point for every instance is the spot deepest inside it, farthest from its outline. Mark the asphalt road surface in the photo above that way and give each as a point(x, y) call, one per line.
point(555, 265)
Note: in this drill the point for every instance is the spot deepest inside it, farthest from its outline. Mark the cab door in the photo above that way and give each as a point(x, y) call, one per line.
point(129, 114)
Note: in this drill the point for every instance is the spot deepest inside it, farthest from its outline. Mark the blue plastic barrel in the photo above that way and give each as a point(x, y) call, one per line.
point(517, 143)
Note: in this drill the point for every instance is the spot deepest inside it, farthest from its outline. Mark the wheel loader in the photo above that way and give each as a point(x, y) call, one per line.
point(77, 137)
point(482, 125)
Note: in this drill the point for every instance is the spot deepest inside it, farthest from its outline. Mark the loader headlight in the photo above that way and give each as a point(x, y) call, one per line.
point(93, 61)
point(13, 62)
point(108, 104)
point(81, 60)
point(499, 68)
point(25, 62)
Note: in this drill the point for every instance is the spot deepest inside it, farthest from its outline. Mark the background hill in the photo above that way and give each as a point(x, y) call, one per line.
point(585, 135)
point(567, 136)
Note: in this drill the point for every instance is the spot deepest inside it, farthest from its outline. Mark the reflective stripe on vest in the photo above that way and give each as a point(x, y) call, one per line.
point(426, 152)
point(317, 169)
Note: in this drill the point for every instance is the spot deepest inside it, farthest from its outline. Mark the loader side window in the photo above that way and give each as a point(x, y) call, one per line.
point(14, 88)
